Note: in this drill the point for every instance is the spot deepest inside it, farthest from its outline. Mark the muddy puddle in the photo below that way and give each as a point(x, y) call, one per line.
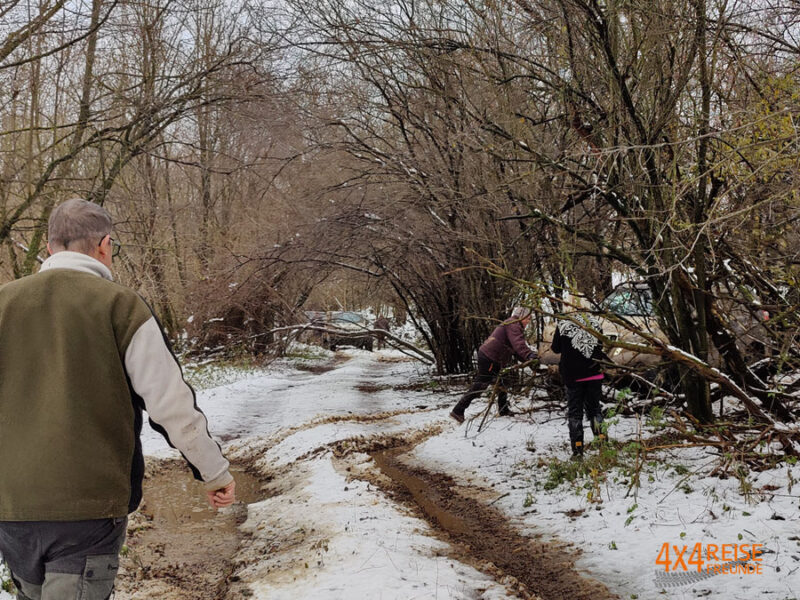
point(481, 536)
point(179, 500)
point(318, 369)
point(178, 547)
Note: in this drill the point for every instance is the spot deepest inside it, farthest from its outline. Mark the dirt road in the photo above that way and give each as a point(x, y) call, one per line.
point(284, 541)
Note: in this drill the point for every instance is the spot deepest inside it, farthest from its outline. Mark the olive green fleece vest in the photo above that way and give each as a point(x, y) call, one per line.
point(66, 415)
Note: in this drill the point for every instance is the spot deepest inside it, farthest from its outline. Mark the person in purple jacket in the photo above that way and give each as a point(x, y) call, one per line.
point(496, 353)
point(580, 367)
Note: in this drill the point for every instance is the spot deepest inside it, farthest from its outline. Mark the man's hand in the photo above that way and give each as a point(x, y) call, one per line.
point(224, 496)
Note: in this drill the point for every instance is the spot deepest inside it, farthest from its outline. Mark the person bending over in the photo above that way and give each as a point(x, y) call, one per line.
point(506, 342)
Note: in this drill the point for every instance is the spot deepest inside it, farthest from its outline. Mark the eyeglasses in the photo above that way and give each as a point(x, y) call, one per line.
point(116, 247)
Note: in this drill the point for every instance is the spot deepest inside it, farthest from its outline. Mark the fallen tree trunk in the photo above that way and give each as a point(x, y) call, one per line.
point(346, 333)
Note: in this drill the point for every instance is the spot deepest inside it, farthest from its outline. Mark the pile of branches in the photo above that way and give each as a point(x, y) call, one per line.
point(737, 441)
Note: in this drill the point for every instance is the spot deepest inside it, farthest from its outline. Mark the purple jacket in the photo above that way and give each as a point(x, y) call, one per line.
point(507, 340)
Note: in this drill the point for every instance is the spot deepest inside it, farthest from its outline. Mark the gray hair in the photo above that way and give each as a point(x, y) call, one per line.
point(77, 225)
point(521, 312)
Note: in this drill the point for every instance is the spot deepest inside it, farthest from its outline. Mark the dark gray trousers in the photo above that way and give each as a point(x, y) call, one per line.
point(63, 560)
point(488, 373)
point(584, 397)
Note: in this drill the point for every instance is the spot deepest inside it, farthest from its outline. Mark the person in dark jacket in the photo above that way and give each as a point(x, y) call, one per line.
point(581, 354)
point(506, 342)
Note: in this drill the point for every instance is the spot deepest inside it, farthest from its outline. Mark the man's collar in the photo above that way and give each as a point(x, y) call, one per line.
point(77, 261)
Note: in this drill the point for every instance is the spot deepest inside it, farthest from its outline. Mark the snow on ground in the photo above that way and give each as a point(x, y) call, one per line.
point(622, 536)
point(347, 540)
point(327, 535)
point(4, 577)
point(267, 401)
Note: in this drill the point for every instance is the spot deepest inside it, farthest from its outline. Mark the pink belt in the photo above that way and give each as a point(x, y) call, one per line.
point(592, 378)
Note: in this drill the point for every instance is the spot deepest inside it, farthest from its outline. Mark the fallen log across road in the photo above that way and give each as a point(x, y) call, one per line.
point(398, 343)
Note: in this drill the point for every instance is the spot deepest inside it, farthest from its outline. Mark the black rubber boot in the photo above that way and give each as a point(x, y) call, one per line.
point(458, 416)
point(577, 450)
point(458, 410)
point(600, 438)
point(504, 409)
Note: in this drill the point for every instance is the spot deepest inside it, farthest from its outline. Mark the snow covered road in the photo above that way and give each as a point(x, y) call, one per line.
point(324, 522)
point(323, 532)
point(264, 404)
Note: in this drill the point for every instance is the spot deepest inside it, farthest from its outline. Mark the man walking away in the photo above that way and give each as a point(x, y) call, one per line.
point(80, 358)
point(582, 376)
point(506, 342)
point(381, 323)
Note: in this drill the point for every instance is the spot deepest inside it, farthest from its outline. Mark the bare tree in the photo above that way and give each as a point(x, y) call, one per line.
point(602, 131)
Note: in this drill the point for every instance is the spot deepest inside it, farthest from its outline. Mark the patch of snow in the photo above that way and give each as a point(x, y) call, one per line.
point(621, 537)
point(353, 541)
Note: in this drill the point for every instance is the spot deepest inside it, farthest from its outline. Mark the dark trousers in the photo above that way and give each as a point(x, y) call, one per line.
point(488, 374)
point(63, 560)
point(584, 397)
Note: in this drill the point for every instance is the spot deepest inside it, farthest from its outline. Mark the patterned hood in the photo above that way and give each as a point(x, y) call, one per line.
point(583, 341)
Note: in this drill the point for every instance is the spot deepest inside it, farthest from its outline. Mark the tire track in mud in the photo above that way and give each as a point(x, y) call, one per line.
point(178, 548)
point(177, 553)
point(480, 535)
point(176, 559)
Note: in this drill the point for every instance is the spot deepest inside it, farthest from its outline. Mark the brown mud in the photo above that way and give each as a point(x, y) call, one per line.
point(482, 536)
point(319, 369)
point(367, 387)
point(395, 359)
point(178, 547)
